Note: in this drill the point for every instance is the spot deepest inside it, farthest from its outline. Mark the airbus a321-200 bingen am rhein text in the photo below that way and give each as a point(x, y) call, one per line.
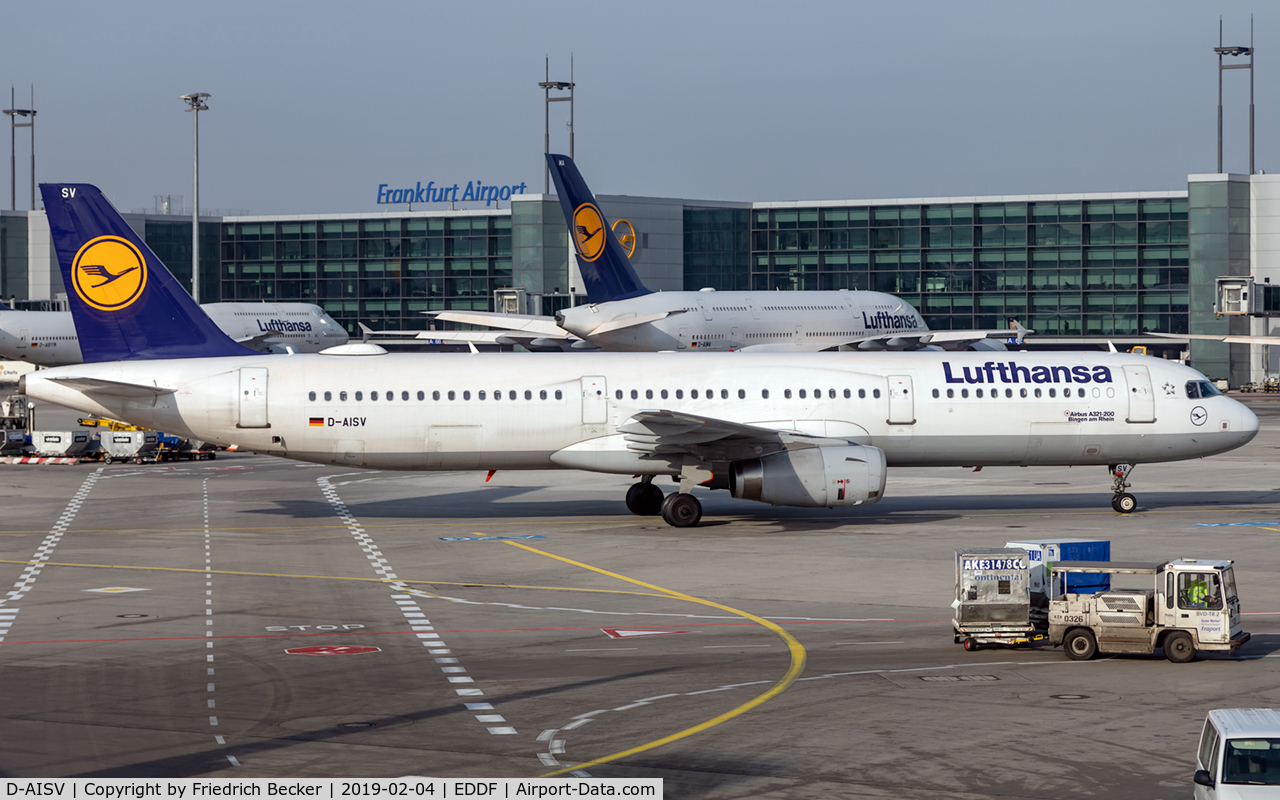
point(794, 429)
point(626, 316)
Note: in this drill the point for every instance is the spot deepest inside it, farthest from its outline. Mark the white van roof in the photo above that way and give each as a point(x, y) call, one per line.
point(1238, 722)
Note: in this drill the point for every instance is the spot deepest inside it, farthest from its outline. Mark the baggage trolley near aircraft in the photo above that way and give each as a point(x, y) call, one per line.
point(1191, 605)
point(993, 598)
point(151, 447)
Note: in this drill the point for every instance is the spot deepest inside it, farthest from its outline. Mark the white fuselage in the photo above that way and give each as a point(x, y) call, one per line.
point(514, 411)
point(710, 320)
point(49, 338)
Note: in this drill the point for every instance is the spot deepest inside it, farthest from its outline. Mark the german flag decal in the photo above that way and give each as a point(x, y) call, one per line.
point(317, 422)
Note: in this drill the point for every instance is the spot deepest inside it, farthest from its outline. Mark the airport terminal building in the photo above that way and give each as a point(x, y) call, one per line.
point(1079, 269)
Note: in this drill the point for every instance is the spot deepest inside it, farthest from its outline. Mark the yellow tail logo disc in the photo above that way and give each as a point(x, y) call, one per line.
point(109, 273)
point(588, 231)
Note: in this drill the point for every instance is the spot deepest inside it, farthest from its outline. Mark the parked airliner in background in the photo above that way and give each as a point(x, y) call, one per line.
point(48, 338)
point(625, 316)
point(793, 429)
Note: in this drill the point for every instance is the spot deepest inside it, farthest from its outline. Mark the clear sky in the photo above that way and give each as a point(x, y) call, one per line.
point(316, 103)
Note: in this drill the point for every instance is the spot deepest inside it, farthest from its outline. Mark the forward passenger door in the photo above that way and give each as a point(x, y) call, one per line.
point(1142, 398)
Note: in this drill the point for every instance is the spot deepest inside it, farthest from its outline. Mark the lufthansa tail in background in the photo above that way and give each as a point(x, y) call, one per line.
point(624, 315)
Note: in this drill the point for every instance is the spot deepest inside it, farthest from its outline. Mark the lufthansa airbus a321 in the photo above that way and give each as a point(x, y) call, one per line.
point(794, 429)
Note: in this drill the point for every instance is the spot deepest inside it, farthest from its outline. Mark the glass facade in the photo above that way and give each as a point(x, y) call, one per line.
point(717, 251)
point(13, 257)
point(1219, 246)
point(170, 239)
point(384, 272)
point(1064, 268)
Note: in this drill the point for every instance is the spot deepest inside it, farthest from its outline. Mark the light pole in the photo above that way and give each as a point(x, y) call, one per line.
point(13, 114)
point(1235, 51)
point(195, 104)
point(546, 87)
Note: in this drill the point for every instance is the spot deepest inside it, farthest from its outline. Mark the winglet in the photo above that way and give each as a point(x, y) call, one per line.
point(1021, 331)
point(125, 303)
point(365, 332)
point(607, 273)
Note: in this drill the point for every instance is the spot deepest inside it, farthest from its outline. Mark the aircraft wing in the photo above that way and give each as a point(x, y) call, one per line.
point(117, 388)
point(910, 340)
point(1224, 338)
point(542, 326)
point(711, 439)
point(260, 342)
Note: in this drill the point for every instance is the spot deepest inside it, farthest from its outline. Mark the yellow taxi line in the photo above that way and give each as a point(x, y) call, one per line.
point(796, 649)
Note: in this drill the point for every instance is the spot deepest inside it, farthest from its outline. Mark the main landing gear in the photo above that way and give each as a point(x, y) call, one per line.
point(1122, 502)
point(644, 499)
point(679, 509)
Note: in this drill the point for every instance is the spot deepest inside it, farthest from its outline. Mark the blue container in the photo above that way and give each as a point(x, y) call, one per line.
point(1042, 554)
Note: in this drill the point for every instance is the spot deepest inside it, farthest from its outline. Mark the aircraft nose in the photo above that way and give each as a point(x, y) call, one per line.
point(1248, 420)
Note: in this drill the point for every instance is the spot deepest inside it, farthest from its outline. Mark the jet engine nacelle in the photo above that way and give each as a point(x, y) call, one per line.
point(817, 477)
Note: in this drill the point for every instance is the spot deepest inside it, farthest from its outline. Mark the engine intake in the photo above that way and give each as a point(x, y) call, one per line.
point(817, 477)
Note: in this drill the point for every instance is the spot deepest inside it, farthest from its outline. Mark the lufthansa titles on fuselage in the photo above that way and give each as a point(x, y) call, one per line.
point(886, 321)
point(1012, 372)
point(284, 326)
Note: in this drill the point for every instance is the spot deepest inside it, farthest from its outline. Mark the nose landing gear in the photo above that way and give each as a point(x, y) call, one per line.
point(1122, 502)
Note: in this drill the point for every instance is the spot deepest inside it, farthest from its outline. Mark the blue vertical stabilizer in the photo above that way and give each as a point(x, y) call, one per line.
point(125, 303)
point(607, 273)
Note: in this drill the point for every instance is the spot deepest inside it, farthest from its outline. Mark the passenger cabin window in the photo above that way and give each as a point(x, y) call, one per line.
point(648, 394)
point(542, 395)
point(664, 394)
point(635, 395)
point(311, 395)
point(328, 395)
point(436, 395)
point(372, 396)
point(764, 393)
point(847, 394)
point(559, 394)
point(977, 393)
point(452, 395)
point(875, 393)
point(528, 395)
point(862, 394)
point(1008, 393)
point(724, 394)
point(935, 392)
point(618, 394)
point(964, 392)
point(786, 393)
point(1037, 392)
point(831, 394)
point(359, 396)
point(680, 394)
point(1053, 392)
point(742, 394)
point(951, 393)
point(511, 395)
point(802, 395)
point(479, 395)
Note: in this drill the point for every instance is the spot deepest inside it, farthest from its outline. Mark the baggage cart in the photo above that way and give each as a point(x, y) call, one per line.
point(993, 598)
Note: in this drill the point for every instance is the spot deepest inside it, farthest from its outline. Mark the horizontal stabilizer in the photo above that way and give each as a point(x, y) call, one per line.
point(1224, 338)
point(619, 324)
point(115, 388)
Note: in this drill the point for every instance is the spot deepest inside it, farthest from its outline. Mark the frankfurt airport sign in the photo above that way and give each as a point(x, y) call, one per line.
point(474, 192)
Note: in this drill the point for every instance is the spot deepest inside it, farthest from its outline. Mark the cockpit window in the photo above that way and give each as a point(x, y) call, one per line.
point(1198, 389)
